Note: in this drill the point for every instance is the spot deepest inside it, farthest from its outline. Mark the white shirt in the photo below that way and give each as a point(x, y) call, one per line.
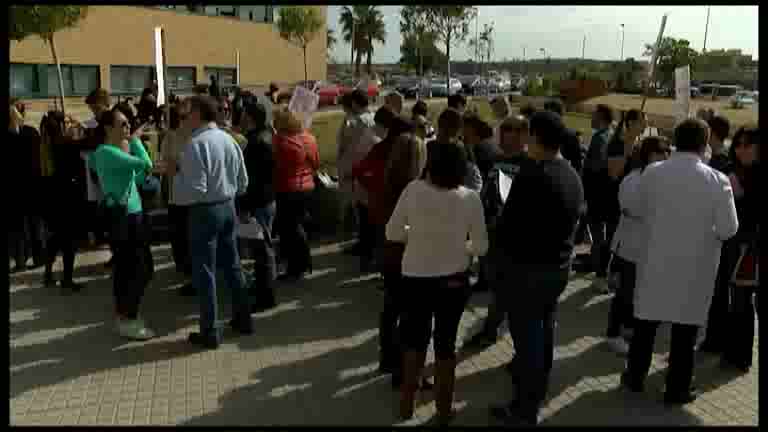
point(688, 211)
point(629, 240)
point(434, 225)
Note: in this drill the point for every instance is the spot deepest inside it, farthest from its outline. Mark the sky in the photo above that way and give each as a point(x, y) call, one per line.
point(561, 30)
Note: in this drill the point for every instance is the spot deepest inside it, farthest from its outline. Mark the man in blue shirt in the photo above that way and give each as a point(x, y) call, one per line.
point(210, 175)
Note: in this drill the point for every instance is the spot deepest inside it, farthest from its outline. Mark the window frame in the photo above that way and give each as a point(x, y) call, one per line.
point(44, 91)
point(128, 92)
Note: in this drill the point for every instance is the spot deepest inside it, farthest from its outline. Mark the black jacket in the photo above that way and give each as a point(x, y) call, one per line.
point(572, 151)
point(259, 161)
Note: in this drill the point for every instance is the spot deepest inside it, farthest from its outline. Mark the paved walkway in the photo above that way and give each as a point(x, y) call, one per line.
point(312, 361)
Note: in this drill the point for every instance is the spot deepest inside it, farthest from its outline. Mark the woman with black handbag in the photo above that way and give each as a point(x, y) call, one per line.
point(738, 350)
point(121, 163)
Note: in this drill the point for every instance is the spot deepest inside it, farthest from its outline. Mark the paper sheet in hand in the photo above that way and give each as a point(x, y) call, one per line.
point(304, 102)
point(505, 183)
point(250, 231)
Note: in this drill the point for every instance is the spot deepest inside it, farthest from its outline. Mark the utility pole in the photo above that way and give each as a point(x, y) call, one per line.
point(706, 30)
point(583, 47)
point(477, 42)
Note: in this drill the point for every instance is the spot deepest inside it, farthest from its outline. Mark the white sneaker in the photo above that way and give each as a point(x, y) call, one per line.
point(618, 345)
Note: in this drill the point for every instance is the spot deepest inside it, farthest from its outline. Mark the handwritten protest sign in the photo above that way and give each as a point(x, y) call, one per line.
point(304, 102)
point(683, 91)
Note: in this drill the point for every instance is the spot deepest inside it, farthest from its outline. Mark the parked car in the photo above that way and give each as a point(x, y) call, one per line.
point(472, 85)
point(329, 93)
point(371, 85)
point(742, 99)
point(409, 87)
point(438, 87)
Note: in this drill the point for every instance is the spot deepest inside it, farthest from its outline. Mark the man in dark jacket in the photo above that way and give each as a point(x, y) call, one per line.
point(214, 89)
point(259, 200)
point(571, 148)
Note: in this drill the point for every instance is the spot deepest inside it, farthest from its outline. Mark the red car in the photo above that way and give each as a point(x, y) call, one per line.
point(330, 94)
point(372, 86)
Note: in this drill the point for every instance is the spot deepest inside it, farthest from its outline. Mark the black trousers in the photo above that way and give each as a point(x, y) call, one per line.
point(442, 298)
point(178, 223)
point(64, 238)
point(131, 269)
point(719, 327)
point(390, 321)
point(602, 219)
point(681, 356)
point(737, 349)
point(622, 312)
point(366, 233)
point(294, 244)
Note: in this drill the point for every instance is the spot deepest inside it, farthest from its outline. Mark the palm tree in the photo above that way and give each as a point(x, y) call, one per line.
point(330, 41)
point(366, 25)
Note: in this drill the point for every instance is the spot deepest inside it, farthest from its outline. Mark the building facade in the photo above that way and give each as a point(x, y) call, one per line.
point(113, 48)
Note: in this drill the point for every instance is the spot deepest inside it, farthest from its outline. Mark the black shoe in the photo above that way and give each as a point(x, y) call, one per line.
point(511, 368)
point(509, 414)
point(426, 385)
point(728, 365)
point(628, 385)
point(681, 398)
point(188, 290)
point(242, 325)
point(355, 250)
point(480, 341)
point(203, 342)
point(709, 348)
point(258, 308)
point(71, 285)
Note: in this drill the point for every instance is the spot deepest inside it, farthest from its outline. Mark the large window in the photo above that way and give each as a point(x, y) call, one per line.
point(24, 80)
point(224, 76)
point(130, 79)
point(181, 78)
point(30, 80)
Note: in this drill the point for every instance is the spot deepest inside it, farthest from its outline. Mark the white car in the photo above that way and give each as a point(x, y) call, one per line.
point(742, 99)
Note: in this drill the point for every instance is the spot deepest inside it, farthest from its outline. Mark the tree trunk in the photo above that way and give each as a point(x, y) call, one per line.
point(52, 44)
point(305, 63)
point(448, 58)
point(358, 60)
point(368, 65)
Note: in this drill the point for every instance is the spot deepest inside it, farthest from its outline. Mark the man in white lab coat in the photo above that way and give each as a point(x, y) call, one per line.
point(689, 211)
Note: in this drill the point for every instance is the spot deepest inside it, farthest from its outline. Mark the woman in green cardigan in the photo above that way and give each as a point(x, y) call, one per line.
point(120, 164)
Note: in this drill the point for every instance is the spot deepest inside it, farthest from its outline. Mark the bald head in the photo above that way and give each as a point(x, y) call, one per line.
point(513, 135)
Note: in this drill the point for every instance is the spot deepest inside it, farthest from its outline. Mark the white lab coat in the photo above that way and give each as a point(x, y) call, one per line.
point(688, 211)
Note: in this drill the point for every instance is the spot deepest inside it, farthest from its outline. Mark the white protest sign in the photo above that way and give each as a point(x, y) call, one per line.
point(683, 91)
point(304, 102)
point(160, 65)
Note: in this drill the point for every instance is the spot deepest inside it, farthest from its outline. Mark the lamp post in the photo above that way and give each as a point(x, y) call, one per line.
point(583, 47)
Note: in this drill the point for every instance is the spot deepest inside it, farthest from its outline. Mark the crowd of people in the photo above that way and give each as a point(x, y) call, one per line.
point(504, 200)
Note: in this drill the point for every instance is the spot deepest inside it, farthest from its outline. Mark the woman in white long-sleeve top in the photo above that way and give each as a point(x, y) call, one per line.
point(627, 244)
point(434, 217)
point(688, 210)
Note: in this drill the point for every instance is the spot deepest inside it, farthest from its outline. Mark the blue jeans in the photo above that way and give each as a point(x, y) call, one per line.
point(532, 317)
point(266, 215)
point(213, 245)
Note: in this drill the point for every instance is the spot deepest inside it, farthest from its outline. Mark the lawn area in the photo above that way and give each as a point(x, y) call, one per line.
point(325, 126)
point(667, 107)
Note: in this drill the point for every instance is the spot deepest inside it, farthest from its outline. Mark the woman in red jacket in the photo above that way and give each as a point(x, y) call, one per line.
point(296, 160)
